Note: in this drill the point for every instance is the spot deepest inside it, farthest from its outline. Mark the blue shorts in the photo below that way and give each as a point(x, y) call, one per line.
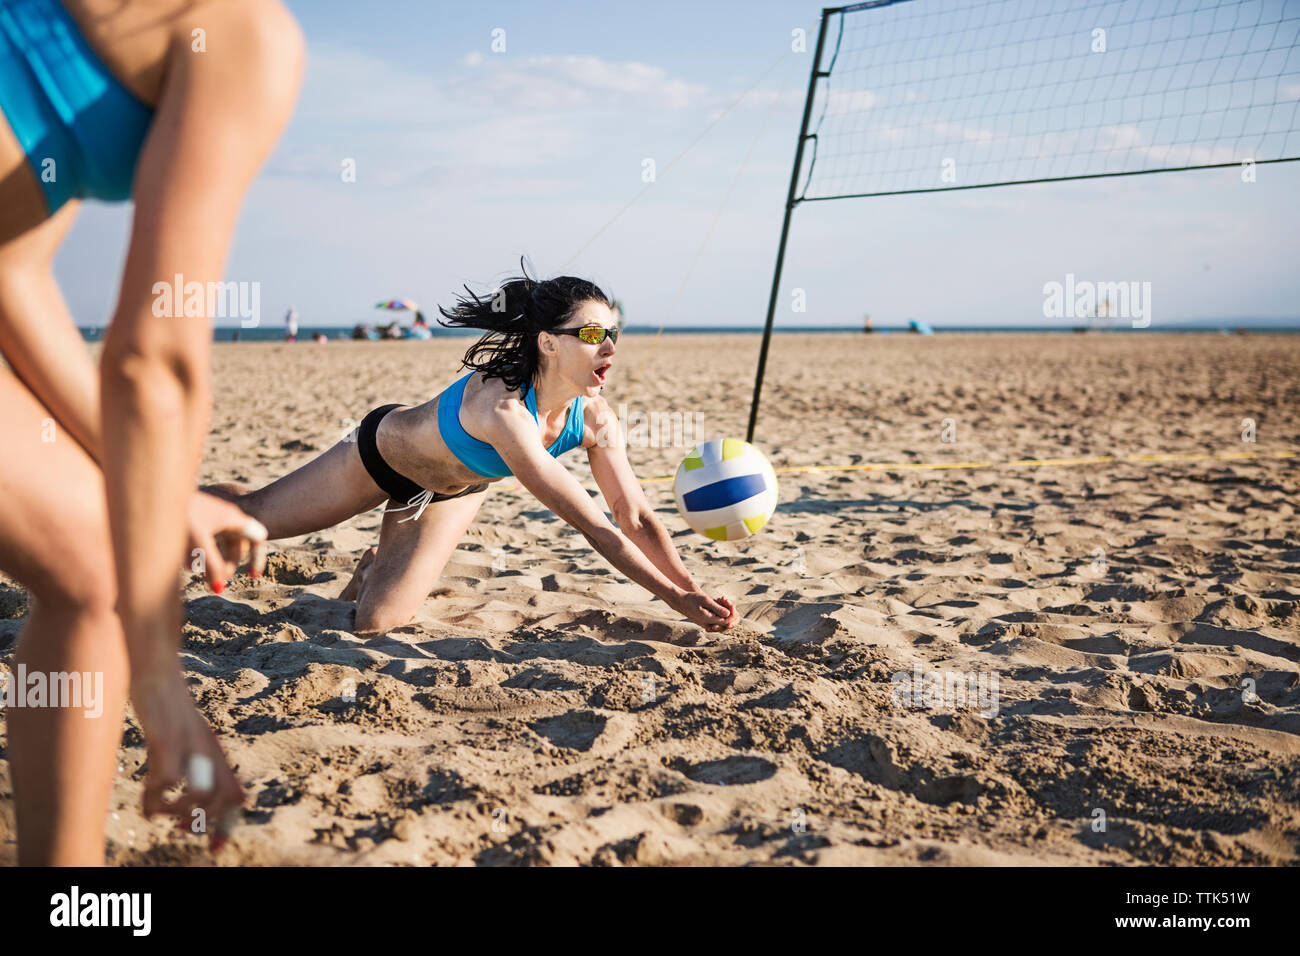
point(81, 129)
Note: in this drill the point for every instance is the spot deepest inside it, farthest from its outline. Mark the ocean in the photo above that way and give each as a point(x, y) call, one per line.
point(306, 333)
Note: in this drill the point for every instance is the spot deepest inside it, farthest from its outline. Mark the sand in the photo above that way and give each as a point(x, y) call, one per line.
point(541, 709)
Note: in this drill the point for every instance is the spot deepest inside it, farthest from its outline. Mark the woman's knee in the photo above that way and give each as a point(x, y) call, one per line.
point(74, 571)
point(374, 618)
point(78, 588)
point(272, 32)
point(271, 51)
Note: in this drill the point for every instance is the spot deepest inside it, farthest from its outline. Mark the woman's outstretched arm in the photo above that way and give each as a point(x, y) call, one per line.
point(514, 435)
point(626, 498)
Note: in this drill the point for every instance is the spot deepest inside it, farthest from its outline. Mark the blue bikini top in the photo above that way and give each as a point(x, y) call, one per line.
point(479, 456)
point(81, 129)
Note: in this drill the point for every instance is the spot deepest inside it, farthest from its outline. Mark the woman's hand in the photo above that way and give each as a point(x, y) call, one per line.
point(708, 613)
point(226, 538)
point(182, 745)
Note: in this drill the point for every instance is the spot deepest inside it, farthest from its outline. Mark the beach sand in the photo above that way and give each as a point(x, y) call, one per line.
point(1101, 618)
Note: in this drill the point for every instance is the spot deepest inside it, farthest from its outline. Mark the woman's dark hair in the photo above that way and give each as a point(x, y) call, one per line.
point(512, 316)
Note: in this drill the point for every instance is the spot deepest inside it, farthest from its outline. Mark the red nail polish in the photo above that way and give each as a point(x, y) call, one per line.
point(218, 587)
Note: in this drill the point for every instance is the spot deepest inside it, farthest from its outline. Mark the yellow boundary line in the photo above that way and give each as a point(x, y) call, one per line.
point(1019, 463)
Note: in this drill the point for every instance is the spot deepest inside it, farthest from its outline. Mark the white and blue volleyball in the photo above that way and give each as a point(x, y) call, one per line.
point(725, 489)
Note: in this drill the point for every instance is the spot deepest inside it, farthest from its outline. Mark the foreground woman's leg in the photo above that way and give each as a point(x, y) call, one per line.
point(54, 540)
point(410, 559)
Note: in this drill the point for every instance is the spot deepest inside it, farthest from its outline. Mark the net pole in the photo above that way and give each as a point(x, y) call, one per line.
point(790, 203)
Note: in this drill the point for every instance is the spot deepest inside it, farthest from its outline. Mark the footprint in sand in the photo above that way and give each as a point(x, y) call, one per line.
point(729, 771)
point(576, 730)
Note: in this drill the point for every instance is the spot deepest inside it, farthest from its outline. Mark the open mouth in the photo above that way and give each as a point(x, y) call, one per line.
point(602, 373)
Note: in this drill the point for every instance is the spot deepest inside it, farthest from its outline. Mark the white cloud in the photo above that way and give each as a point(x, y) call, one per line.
point(402, 123)
point(971, 134)
point(1120, 137)
point(842, 102)
point(574, 81)
point(344, 84)
point(1176, 154)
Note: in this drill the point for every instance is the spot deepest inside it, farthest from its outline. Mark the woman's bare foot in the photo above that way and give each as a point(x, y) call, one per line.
point(353, 591)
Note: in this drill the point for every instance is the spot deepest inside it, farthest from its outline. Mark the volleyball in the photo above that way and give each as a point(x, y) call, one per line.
point(725, 489)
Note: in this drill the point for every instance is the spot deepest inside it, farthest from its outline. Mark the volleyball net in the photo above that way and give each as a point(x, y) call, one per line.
point(923, 96)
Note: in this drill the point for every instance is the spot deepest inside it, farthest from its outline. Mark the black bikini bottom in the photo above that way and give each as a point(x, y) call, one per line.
point(396, 485)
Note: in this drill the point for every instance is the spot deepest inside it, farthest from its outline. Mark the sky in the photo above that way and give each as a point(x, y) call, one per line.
point(468, 157)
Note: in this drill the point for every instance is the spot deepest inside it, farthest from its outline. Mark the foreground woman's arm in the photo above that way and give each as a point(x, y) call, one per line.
point(40, 341)
point(220, 112)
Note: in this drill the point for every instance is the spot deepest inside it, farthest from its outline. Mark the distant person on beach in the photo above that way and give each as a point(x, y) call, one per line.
point(420, 328)
point(532, 393)
point(114, 102)
point(291, 325)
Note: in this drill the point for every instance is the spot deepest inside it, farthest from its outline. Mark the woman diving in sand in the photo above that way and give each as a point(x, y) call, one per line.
point(532, 393)
point(174, 103)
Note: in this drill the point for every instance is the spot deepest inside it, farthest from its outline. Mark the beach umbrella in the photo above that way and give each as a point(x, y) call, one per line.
point(398, 305)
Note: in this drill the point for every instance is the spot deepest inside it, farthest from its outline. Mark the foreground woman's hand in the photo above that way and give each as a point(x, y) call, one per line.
point(226, 537)
point(181, 745)
point(709, 613)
